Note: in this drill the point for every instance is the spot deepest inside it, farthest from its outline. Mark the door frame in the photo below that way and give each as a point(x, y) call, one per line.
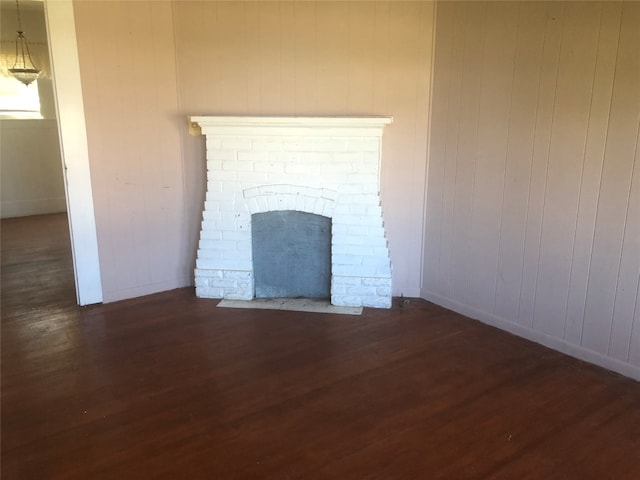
point(67, 87)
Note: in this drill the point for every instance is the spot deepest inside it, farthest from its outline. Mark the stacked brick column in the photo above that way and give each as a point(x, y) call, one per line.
point(320, 165)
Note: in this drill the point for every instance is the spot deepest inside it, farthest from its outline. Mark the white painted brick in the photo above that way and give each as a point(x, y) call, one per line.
point(338, 290)
point(267, 144)
point(346, 259)
point(383, 291)
point(366, 168)
point(254, 178)
point(331, 194)
point(207, 243)
point(309, 203)
point(376, 302)
point(252, 156)
point(346, 301)
point(340, 249)
point(222, 155)
point(357, 230)
point(381, 252)
point(208, 292)
point(362, 178)
point(314, 157)
point(210, 253)
point(377, 282)
point(348, 157)
point(207, 263)
point(236, 143)
point(238, 294)
point(223, 283)
point(300, 202)
point(359, 250)
point(273, 167)
point(331, 145)
point(238, 274)
point(374, 210)
point(210, 234)
point(348, 239)
point(272, 203)
point(209, 273)
point(274, 189)
point(350, 189)
point(284, 157)
point(215, 165)
point(375, 241)
point(299, 145)
point(372, 157)
point(211, 215)
point(231, 187)
point(252, 205)
point(318, 206)
point(371, 144)
point(361, 291)
point(225, 175)
point(325, 175)
point(327, 211)
point(206, 225)
point(213, 143)
point(306, 168)
point(237, 166)
point(237, 235)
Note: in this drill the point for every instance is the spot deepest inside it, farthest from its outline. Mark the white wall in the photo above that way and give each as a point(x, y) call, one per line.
point(533, 206)
point(31, 166)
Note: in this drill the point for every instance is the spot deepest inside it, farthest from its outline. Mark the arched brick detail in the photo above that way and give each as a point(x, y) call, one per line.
point(269, 198)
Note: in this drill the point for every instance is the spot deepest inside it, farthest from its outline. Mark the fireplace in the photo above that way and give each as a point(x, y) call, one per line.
point(325, 166)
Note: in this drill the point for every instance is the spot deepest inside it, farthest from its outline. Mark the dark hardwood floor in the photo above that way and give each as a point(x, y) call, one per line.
point(169, 386)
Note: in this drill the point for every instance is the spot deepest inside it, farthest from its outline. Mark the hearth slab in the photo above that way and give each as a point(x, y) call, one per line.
point(292, 304)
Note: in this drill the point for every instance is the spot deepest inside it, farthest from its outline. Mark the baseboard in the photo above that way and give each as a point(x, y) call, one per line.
point(558, 344)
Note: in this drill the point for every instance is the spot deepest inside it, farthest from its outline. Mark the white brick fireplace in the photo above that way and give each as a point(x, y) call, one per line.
point(328, 166)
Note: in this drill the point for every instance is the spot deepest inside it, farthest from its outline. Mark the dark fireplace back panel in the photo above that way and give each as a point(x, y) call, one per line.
point(291, 254)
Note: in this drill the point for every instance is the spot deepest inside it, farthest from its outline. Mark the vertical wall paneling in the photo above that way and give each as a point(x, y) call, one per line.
point(591, 172)
point(446, 13)
point(488, 183)
point(131, 110)
point(622, 137)
point(318, 58)
point(537, 231)
point(540, 159)
point(566, 152)
point(465, 144)
point(451, 135)
point(522, 122)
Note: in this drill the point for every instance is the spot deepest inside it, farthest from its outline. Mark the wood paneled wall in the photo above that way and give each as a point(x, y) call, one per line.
point(127, 62)
point(533, 205)
point(146, 66)
point(317, 58)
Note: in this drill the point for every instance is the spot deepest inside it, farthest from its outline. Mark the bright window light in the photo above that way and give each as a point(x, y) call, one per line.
point(18, 100)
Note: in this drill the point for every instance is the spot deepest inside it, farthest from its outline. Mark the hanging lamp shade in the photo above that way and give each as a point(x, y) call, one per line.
point(23, 67)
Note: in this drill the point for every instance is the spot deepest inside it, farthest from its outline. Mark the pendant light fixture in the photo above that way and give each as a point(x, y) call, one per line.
point(23, 68)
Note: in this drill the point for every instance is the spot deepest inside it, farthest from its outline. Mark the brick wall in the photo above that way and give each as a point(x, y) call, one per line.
point(325, 166)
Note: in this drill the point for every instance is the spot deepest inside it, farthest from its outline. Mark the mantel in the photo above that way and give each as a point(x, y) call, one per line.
point(329, 126)
point(327, 166)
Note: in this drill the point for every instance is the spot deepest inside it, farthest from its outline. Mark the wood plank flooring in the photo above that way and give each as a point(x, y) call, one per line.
point(169, 386)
